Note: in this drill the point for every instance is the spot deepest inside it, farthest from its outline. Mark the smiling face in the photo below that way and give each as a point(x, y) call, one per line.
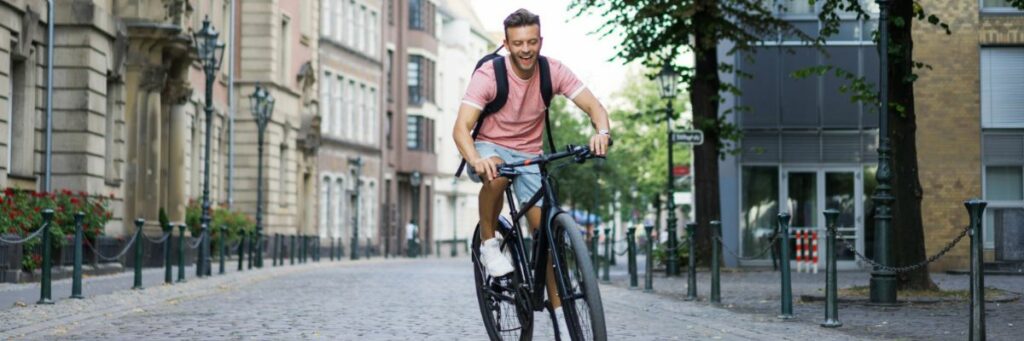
point(523, 44)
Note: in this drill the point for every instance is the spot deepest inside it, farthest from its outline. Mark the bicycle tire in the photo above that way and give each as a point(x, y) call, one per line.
point(584, 312)
point(504, 297)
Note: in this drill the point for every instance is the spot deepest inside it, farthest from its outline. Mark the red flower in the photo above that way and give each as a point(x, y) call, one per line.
point(37, 209)
point(8, 191)
point(83, 193)
point(108, 215)
point(65, 191)
point(75, 201)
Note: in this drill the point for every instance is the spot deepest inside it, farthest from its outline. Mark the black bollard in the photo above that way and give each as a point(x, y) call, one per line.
point(787, 289)
point(649, 275)
point(250, 247)
point(691, 266)
point(976, 208)
point(168, 262)
point(181, 253)
point(631, 247)
point(223, 248)
point(831, 290)
point(291, 250)
point(241, 250)
point(45, 296)
point(331, 252)
point(76, 273)
point(273, 252)
point(138, 253)
point(716, 248)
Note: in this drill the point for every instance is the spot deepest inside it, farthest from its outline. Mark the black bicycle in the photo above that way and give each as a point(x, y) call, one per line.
point(507, 303)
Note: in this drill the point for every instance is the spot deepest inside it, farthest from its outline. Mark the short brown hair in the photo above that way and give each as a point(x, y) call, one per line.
point(520, 18)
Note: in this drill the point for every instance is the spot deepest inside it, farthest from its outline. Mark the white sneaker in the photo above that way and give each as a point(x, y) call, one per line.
point(563, 328)
point(497, 263)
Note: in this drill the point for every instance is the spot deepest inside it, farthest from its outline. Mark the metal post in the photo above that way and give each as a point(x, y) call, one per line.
point(649, 261)
point(691, 268)
point(976, 208)
point(883, 282)
point(607, 255)
point(45, 296)
point(249, 246)
point(716, 249)
point(615, 225)
point(138, 253)
point(223, 249)
point(76, 273)
point(241, 249)
point(291, 251)
point(787, 289)
point(672, 265)
point(259, 190)
point(595, 258)
point(168, 262)
point(181, 253)
point(330, 253)
point(631, 247)
point(274, 251)
point(831, 289)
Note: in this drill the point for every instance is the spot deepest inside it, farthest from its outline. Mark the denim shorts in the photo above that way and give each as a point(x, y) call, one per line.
point(526, 184)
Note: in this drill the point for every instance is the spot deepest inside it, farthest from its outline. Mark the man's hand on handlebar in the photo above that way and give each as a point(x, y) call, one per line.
point(486, 168)
point(599, 144)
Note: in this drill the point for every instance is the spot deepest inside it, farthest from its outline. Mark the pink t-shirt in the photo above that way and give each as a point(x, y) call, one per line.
point(519, 124)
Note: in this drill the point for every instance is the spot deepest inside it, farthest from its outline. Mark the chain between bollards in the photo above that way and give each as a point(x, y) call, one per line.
point(76, 274)
point(137, 285)
point(831, 289)
point(787, 289)
point(649, 262)
point(631, 248)
point(691, 267)
point(716, 249)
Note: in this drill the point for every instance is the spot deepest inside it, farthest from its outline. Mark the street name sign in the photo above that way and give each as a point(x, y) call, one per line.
point(694, 137)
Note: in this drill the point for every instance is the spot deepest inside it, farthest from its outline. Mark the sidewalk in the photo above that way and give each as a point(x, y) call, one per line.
point(758, 292)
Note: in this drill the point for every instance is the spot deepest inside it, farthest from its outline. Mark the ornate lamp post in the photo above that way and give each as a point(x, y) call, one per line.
point(210, 53)
point(415, 180)
point(356, 166)
point(667, 87)
point(883, 282)
point(262, 106)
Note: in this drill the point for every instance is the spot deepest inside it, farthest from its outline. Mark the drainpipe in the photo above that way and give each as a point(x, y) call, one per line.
point(231, 104)
point(49, 95)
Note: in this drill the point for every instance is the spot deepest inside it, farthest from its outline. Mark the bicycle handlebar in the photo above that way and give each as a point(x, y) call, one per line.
point(578, 153)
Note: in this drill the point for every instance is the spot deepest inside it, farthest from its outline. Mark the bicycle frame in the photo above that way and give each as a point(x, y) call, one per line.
point(543, 241)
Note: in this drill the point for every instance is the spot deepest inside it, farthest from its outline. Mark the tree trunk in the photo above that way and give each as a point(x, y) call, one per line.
point(704, 97)
point(908, 233)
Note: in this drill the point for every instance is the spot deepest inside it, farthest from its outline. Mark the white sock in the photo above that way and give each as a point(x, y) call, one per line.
point(563, 328)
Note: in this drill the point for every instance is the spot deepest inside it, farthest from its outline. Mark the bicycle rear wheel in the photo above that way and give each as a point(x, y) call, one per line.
point(584, 313)
point(504, 302)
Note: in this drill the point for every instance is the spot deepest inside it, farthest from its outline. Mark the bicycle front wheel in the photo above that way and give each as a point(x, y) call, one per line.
point(503, 301)
point(581, 299)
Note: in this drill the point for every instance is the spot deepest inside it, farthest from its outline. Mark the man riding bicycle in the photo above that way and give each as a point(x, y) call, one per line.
point(514, 133)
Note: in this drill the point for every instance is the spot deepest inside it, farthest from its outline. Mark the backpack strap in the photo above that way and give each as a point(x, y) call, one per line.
point(546, 93)
point(500, 97)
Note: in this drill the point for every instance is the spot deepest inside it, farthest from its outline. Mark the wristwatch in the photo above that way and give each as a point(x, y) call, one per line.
point(604, 132)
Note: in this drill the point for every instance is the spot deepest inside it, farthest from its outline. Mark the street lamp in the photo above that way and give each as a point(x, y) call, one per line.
point(883, 282)
point(356, 166)
point(667, 79)
point(414, 180)
point(262, 106)
point(210, 53)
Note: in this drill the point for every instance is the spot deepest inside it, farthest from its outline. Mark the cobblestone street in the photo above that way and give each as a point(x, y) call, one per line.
point(430, 299)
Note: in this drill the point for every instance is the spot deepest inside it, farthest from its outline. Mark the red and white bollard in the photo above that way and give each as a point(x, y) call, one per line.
point(806, 250)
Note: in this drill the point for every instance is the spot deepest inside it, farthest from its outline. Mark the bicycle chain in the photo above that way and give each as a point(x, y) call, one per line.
point(908, 268)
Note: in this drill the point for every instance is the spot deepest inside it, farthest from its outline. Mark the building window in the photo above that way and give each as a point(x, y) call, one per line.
point(339, 106)
point(361, 32)
point(350, 115)
point(998, 6)
point(760, 196)
point(374, 34)
point(1002, 68)
point(284, 50)
point(389, 65)
point(387, 130)
point(416, 15)
point(1004, 183)
point(413, 133)
point(325, 204)
point(339, 206)
point(325, 104)
point(336, 27)
point(372, 114)
point(364, 113)
point(21, 147)
point(420, 75)
point(350, 20)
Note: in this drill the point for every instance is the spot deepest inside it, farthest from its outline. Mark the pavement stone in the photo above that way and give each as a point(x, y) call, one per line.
point(422, 299)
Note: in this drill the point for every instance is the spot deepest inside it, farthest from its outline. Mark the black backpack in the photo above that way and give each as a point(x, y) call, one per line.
point(501, 78)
